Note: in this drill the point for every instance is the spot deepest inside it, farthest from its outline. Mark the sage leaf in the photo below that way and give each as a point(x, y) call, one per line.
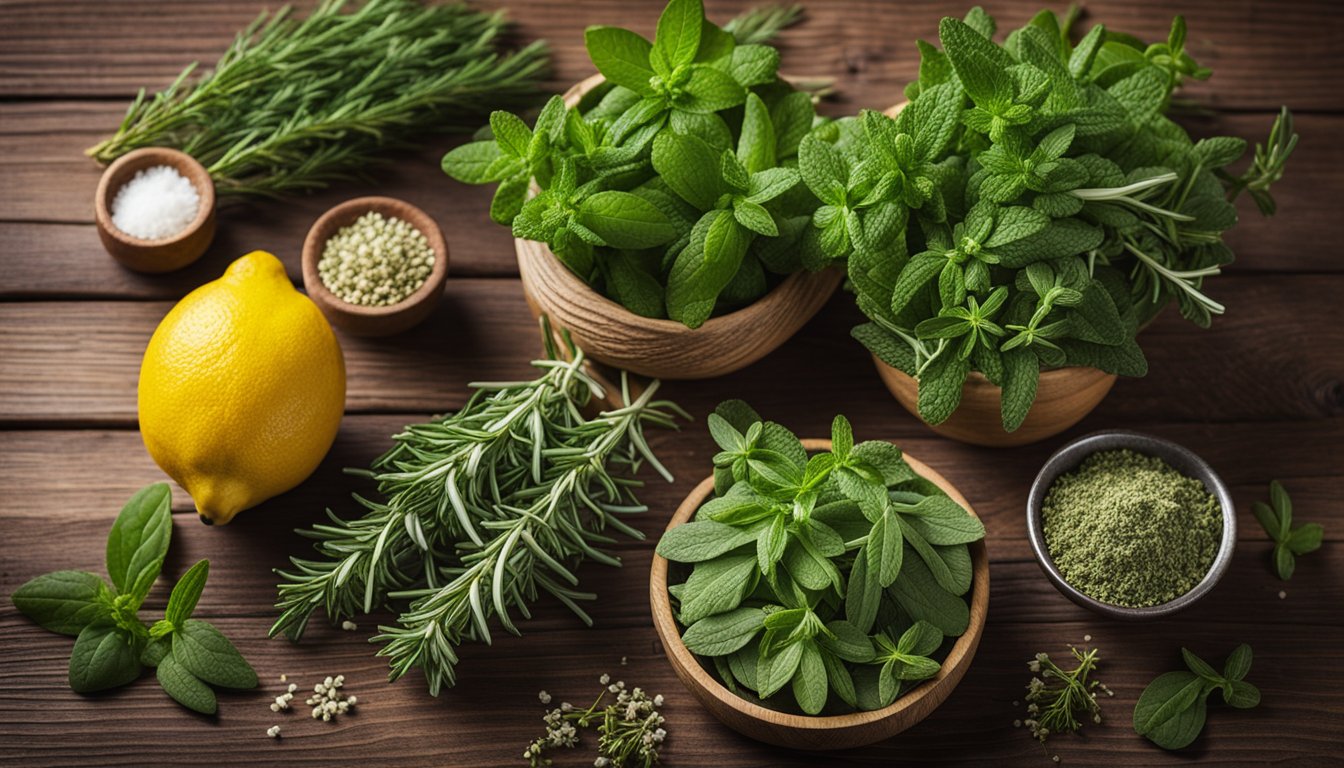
point(63, 601)
point(184, 687)
point(138, 541)
point(922, 597)
point(185, 595)
point(702, 540)
point(775, 670)
point(724, 633)
point(208, 654)
point(717, 585)
point(940, 521)
point(103, 658)
point(809, 684)
point(1172, 709)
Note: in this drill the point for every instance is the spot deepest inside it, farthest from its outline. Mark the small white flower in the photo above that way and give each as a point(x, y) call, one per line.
point(544, 697)
point(349, 626)
point(604, 679)
point(273, 731)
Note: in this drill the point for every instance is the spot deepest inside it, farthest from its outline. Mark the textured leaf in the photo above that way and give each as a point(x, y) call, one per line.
point(63, 601)
point(184, 687)
point(756, 145)
point(716, 586)
point(182, 601)
point(711, 90)
point(511, 133)
point(102, 659)
point(940, 388)
point(624, 220)
point(775, 670)
point(702, 540)
point(688, 166)
point(942, 521)
point(724, 633)
point(982, 66)
point(621, 56)
point(1238, 663)
point(809, 684)
point(138, 541)
point(677, 38)
point(208, 654)
point(475, 163)
point(1171, 710)
point(923, 599)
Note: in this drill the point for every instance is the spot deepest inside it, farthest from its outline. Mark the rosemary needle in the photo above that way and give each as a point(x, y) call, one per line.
point(484, 510)
point(296, 104)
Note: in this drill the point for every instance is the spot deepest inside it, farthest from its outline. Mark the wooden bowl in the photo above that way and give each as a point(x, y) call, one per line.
point(1063, 397)
point(356, 319)
point(830, 731)
point(662, 348)
point(170, 253)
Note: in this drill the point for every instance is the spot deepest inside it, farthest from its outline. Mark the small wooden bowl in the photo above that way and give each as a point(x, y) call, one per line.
point(1063, 397)
point(659, 348)
point(155, 256)
point(356, 319)
point(827, 732)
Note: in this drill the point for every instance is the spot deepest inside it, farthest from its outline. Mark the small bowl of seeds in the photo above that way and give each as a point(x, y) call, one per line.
point(375, 266)
point(1130, 525)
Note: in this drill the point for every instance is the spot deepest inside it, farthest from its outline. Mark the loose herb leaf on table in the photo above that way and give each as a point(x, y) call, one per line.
point(112, 644)
point(1276, 518)
point(1171, 711)
point(480, 512)
point(835, 576)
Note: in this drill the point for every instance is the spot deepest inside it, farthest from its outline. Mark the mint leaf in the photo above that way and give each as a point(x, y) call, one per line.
point(982, 66)
point(940, 387)
point(185, 688)
point(208, 654)
point(475, 163)
point(621, 56)
point(711, 90)
point(707, 264)
point(752, 65)
point(1021, 374)
point(689, 167)
point(103, 658)
point(511, 133)
point(756, 145)
point(624, 220)
point(678, 35)
point(138, 541)
point(64, 601)
point(182, 601)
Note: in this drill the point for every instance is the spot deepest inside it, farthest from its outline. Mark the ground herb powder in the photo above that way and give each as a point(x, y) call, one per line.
point(1131, 530)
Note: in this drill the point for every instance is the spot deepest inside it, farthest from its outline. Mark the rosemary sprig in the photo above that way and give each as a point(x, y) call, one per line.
point(763, 23)
point(294, 105)
point(485, 509)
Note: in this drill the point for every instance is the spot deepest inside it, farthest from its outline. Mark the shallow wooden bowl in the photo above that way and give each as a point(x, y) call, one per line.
point(1063, 397)
point(170, 253)
point(831, 731)
point(666, 349)
point(356, 319)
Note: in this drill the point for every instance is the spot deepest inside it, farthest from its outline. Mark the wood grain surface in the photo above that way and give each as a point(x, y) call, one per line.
point(1260, 396)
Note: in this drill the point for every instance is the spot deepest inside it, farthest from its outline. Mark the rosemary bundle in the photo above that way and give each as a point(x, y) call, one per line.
point(296, 104)
point(484, 510)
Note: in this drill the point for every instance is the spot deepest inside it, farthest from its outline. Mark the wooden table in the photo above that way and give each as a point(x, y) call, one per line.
point(1260, 396)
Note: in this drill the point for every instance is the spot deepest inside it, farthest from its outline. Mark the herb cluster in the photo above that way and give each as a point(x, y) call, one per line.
point(481, 511)
point(837, 575)
point(1276, 518)
point(1171, 711)
point(672, 189)
point(1056, 696)
point(629, 726)
point(294, 105)
point(112, 645)
point(1031, 208)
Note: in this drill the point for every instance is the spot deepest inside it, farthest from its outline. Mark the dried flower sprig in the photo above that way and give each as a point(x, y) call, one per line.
point(629, 726)
point(1056, 696)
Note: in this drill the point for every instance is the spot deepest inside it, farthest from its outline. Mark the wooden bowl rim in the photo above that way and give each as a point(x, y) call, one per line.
point(976, 378)
point(180, 161)
point(344, 214)
point(963, 650)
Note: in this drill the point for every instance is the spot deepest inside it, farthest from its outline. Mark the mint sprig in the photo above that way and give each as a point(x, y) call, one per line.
point(1171, 711)
point(113, 646)
point(1289, 542)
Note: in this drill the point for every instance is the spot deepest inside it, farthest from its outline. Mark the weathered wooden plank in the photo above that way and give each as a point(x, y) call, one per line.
point(93, 48)
point(77, 362)
point(492, 714)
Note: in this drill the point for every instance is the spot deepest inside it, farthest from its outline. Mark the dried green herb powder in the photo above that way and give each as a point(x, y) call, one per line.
point(1131, 530)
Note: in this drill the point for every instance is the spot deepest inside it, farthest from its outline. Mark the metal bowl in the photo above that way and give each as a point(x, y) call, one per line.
point(1068, 458)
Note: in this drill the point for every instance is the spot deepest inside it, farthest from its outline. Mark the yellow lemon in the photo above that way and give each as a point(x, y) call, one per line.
point(242, 389)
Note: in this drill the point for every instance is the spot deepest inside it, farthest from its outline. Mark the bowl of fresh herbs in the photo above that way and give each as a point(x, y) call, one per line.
point(657, 207)
point(819, 594)
point(1131, 526)
point(1009, 233)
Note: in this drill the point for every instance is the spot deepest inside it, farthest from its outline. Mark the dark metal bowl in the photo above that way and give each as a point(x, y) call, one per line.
point(1068, 458)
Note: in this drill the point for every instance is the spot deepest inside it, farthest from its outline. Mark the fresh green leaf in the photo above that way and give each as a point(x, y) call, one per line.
point(206, 653)
point(138, 541)
point(182, 601)
point(64, 601)
point(184, 687)
point(104, 657)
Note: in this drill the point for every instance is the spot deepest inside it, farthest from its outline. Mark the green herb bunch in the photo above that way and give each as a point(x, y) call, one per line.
point(671, 189)
point(294, 105)
point(838, 575)
point(481, 511)
point(1056, 696)
point(1031, 208)
point(1171, 711)
point(112, 645)
point(1276, 518)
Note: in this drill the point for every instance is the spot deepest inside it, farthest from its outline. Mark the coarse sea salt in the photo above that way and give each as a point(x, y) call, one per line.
point(157, 203)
